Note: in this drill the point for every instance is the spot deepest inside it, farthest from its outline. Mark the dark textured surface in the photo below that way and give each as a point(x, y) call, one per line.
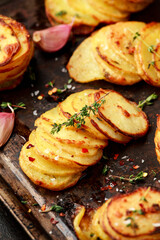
point(49, 67)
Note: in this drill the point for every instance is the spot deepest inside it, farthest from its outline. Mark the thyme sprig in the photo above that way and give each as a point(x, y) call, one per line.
point(15, 107)
point(132, 179)
point(55, 208)
point(78, 119)
point(148, 101)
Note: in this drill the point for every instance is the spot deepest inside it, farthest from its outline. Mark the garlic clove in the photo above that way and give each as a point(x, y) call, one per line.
point(6, 126)
point(54, 38)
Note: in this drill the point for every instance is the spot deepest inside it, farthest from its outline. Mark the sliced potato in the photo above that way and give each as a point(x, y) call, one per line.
point(9, 44)
point(44, 166)
point(48, 181)
point(157, 139)
point(143, 216)
point(145, 55)
point(123, 115)
point(82, 65)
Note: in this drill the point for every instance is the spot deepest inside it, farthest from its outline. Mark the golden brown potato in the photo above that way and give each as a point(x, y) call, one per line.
point(19, 48)
point(50, 158)
point(130, 216)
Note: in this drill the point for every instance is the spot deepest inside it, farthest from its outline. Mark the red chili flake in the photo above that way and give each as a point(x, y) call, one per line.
point(131, 169)
point(131, 160)
point(121, 162)
point(135, 166)
point(30, 146)
point(115, 156)
point(31, 159)
point(106, 188)
point(53, 221)
point(43, 208)
point(84, 150)
point(55, 98)
point(131, 50)
point(61, 214)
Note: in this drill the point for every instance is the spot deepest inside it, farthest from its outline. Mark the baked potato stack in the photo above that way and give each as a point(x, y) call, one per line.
point(16, 52)
point(123, 53)
point(157, 139)
point(87, 14)
point(56, 161)
point(131, 216)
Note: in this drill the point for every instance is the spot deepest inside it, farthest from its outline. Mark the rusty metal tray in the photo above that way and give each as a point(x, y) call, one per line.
point(15, 186)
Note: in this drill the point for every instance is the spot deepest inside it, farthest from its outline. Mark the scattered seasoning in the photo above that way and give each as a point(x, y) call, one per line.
point(132, 179)
point(55, 208)
point(148, 101)
point(137, 34)
point(31, 159)
point(143, 199)
point(54, 90)
point(43, 208)
point(105, 157)
point(50, 84)
point(29, 210)
point(70, 80)
point(154, 173)
point(78, 119)
point(53, 221)
point(132, 223)
point(92, 234)
point(136, 167)
point(106, 188)
point(35, 204)
point(29, 146)
point(152, 63)
point(121, 162)
point(105, 170)
point(115, 156)
point(151, 49)
point(62, 214)
point(35, 113)
point(24, 202)
point(84, 150)
point(61, 13)
point(40, 97)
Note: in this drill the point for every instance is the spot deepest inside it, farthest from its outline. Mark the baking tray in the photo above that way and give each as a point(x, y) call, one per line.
point(15, 187)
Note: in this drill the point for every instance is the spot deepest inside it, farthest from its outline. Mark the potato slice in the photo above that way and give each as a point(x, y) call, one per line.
point(24, 40)
point(120, 38)
point(62, 12)
point(50, 151)
point(48, 181)
point(107, 51)
point(9, 44)
point(105, 7)
point(44, 166)
point(128, 217)
point(131, 6)
point(82, 66)
point(150, 39)
point(157, 139)
point(123, 114)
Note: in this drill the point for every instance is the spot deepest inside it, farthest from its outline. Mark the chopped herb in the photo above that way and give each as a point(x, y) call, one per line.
point(15, 107)
point(154, 173)
point(55, 208)
point(143, 199)
point(65, 86)
point(121, 178)
point(70, 80)
point(138, 177)
point(77, 15)
point(152, 63)
point(105, 157)
point(78, 119)
point(132, 224)
point(105, 170)
point(35, 204)
point(24, 202)
point(92, 234)
point(61, 13)
point(51, 83)
point(137, 34)
point(148, 101)
point(151, 49)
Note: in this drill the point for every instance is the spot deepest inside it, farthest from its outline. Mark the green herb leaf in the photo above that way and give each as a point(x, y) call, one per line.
point(138, 177)
point(5, 104)
point(151, 49)
point(152, 63)
point(24, 202)
point(61, 13)
point(148, 101)
point(78, 119)
point(105, 170)
point(57, 208)
point(154, 173)
point(70, 80)
point(137, 34)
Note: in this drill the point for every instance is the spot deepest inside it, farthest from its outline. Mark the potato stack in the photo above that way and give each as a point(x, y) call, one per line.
point(16, 52)
point(133, 216)
point(87, 14)
point(157, 139)
point(56, 161)
point(123, 53)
